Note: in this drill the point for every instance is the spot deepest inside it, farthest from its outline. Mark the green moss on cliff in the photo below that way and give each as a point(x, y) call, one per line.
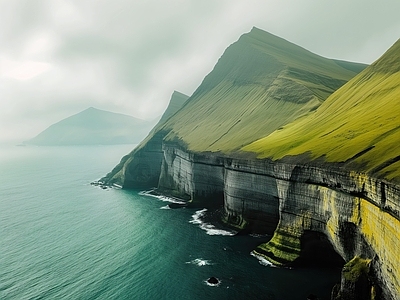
point(355, 268)
point(283, 249)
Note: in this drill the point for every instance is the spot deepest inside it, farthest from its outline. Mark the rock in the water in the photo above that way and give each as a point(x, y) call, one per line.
point(213, 280)
point(177, 205)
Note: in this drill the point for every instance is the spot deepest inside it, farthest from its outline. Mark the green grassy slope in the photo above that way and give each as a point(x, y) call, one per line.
point(261, 83)
point(358, 125)
point(94, 126)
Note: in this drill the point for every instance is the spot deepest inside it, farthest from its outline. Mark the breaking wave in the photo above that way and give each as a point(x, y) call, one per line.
point(199, 262)
point(208, 228)
point(262, 260)
point(150, 193)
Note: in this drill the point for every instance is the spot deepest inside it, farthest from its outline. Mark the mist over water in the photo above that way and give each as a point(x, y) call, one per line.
point(62, 238)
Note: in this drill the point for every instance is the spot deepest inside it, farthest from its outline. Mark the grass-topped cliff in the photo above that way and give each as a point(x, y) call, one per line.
point(358, 125)
point(269, 98)
point(260, 83)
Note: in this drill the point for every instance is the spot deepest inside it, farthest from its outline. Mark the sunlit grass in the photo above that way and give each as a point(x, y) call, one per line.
point(363, 114)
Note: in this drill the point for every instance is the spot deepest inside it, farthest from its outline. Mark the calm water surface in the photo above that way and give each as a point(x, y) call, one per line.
point(62, 238)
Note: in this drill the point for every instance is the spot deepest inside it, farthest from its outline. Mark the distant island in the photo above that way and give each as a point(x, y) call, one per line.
point(93, 127)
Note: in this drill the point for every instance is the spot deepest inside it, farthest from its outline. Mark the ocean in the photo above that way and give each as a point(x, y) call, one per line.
point(62, 238)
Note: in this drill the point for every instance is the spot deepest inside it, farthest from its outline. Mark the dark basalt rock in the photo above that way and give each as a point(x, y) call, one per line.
point(100, 184)
point(177, 205)
point(213, 280)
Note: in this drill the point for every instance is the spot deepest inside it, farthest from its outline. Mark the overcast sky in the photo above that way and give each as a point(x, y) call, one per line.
point(58, 57)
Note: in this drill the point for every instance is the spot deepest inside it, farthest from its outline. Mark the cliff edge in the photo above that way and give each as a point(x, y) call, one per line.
point(295, 145)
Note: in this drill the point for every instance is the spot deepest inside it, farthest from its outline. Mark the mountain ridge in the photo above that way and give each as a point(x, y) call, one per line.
point(253, 72)
point(357, 125)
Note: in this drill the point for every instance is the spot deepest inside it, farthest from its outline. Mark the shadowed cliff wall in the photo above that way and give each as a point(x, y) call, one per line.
point(358, 214)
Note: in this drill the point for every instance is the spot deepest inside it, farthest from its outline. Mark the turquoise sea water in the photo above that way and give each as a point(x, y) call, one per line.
point(61, 238)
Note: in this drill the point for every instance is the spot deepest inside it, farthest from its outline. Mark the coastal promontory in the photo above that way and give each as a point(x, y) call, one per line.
point(286, 142)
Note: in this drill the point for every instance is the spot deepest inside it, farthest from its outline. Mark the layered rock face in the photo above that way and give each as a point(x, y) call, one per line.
point(198, 177)
point(358, 215)
point(144, 171)
point(353, 210)
point(251, 195)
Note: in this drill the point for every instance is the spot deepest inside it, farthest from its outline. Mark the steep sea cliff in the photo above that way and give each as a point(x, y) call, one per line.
point(358, 215)
point(336, 201)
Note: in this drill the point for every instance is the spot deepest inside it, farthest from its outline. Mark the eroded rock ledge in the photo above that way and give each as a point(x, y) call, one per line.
point(359, 215)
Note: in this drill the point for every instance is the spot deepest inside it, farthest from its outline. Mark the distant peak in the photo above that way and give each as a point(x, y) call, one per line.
point(264, 36)
point(90, 109)
point(93, 110)
point(258, 31)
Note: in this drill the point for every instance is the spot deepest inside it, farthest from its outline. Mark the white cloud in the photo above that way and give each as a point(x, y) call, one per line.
point(22, 70)
point(60, 56)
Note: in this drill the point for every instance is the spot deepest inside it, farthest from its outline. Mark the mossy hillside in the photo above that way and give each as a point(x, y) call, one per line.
point(261, 83)
point(359, 124)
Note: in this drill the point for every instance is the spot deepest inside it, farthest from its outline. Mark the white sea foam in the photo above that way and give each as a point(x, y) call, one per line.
point(200, 262)
point(208, 228)
point(196, 218)
point(161, 197)
point(262, 260)
point(165, 207)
